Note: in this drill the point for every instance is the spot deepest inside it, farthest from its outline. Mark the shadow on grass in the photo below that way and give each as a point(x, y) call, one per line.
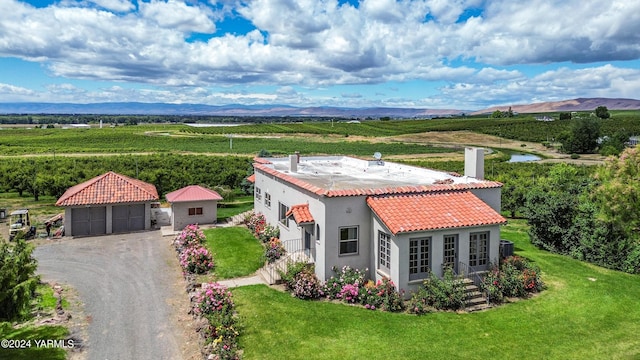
point(28, 336)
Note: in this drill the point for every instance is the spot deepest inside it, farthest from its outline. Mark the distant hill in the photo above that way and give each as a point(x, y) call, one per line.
point(580, 104)
point(134, 108)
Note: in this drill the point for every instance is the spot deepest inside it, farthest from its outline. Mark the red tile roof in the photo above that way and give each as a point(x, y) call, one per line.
point(252, 178)
point(301, 214)
point(374, 191)
point(432, 211)
point(109, 188)
point(193, 193)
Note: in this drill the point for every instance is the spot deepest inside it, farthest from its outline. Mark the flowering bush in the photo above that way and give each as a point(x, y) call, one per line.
point(274, 250)
point(381, 295)
point(213, 297)
point(214, 302)
point(268, 232)
point(255, 222)
point(344, 276)
point(514, 277)
point(196, 260)
point(306, 286)
point(292, 270)
point(190, 236)
point(349, 293)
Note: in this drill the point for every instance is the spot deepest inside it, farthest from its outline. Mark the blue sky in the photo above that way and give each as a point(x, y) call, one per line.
point(438, 54)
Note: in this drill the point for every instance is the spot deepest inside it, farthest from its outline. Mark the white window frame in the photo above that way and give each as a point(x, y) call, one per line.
point(282, 214)
point(258, 193)
point(267, 200)
point(348, 240)
point(384, 251)
point(476, 250)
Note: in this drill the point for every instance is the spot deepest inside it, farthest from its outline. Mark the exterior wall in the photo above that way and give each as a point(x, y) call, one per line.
point(180, 213)
point(330, 214)
point(491, 196)
point(399, 271)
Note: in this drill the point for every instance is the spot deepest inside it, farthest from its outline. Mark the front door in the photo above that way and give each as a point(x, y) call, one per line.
point(307, 243)
point(450, 259)
point(479, 251)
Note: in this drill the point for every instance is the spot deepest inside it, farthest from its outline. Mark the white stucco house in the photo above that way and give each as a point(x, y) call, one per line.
point(398, 221)
point(193, 204)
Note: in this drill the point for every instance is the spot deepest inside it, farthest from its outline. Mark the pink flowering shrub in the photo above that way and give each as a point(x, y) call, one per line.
point(514, 277)
point(214, 302)
point(196, 260)
point(381, 295)
point(349, 293)
point(274, 250)
point(191, 235)
point(344, 276)
point(306, 286)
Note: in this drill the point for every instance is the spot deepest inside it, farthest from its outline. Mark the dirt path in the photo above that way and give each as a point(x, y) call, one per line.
point(132, 291)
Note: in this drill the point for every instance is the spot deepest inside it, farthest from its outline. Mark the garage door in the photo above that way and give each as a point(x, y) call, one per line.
point(89, 221)
point(128, 218)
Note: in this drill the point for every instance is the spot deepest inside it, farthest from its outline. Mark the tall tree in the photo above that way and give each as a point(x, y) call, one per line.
point(602, 112)
point(17, 279)
point(583, 137)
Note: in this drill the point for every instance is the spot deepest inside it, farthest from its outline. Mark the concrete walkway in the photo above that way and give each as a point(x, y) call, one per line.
point(243, 281)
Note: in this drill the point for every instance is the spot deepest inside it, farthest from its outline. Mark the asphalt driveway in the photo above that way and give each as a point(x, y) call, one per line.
point(128, 283)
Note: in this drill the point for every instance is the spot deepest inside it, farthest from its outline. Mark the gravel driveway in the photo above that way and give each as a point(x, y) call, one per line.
point(129, 285)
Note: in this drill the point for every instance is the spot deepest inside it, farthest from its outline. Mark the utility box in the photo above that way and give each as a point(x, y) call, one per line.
point(506, 248)
point(3, 214)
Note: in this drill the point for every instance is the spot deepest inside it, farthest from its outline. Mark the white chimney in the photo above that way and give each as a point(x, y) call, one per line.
point(293, 163)
point(474, 163)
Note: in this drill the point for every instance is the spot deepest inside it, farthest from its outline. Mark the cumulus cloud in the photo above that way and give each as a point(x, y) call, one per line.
point(322, 43)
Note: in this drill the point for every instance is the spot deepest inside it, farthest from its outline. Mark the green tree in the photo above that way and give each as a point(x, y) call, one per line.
point(602, 112)
point(497, 114)
point(583, 137)
point(17, 279)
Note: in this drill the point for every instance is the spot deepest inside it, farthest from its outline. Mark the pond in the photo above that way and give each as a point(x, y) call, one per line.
point(524, 158)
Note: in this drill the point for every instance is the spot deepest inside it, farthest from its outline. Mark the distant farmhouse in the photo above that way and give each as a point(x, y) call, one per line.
point(397, 221)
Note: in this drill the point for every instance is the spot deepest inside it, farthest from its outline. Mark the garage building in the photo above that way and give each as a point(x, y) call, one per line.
point(107, 204)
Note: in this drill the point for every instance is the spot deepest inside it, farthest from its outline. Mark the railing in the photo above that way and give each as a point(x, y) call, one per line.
point(466, 271)
point(295, 253)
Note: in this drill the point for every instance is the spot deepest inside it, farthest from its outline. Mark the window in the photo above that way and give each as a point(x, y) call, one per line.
point(450, 259)
point(195, 211)
point(267, 200)
point(348, 240)
point(282, 214)
point(479, 251)
point(384, 251)
point(419, 266)
point(317, 233)
point(258, 194)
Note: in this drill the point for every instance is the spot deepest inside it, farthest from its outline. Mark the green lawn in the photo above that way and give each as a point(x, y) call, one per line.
point(235, 251)
point(46, 301)
point(238, 206)
point(586, 312)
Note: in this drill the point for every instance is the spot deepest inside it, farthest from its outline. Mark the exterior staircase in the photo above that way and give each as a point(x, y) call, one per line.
point(476, 301)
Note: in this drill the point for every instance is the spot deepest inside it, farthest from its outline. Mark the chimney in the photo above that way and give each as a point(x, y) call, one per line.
point(474, 163)
point(298, 156)
point(293, 163)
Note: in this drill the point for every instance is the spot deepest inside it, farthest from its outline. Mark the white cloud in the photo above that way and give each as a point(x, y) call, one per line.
point(177, 15)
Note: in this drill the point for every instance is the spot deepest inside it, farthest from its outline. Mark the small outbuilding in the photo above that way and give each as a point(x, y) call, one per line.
point(107, 204)
point(193, 205)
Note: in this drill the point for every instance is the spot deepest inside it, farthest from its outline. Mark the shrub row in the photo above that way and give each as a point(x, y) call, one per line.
point(267, 234)
point(214, 303)
point(348, 286)
point(194, 257)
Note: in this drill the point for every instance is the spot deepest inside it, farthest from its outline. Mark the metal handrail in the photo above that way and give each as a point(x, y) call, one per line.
point(473, 276)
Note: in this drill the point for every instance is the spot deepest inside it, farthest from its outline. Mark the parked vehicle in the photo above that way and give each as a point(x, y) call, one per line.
point(20, 225)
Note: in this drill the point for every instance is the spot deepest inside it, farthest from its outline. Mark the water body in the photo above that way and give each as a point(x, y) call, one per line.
point(523, 158)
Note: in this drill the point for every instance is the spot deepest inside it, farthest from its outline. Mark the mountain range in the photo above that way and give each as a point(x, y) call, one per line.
point(136, 108)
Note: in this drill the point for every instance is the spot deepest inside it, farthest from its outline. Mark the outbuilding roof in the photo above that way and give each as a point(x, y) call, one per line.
point(108, 188)
point(301, 214)
point(433, 211)
point(193, 193)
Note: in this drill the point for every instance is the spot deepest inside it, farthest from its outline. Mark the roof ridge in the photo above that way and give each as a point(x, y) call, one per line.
point(136, 182)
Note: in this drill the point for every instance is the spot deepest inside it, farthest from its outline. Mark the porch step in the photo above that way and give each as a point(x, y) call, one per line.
point(476, 300)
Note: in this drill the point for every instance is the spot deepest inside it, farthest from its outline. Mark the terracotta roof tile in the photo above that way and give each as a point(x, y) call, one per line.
point(432, 211)
point(192, 193)
point(108, 188)
point(252, 178)
point(301, 214)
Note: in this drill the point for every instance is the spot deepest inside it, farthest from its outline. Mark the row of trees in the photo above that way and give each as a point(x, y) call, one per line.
point(54, 175)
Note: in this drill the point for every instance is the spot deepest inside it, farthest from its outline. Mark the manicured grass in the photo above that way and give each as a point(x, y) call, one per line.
point(235, 251)
point(586, 312)
point(238, 206)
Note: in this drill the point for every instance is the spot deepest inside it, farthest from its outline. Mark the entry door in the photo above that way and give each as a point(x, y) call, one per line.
point(450, 259)
point(307, 243)
point(479, 251)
